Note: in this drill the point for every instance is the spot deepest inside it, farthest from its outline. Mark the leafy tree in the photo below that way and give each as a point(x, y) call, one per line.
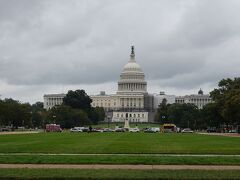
point(96, 114)
point(38, 114)
point(25, 115)
point(77, 99)
point(67, 117)
point(80, 118)
point(101, 113)
point(227, 99)
point(37, 119)
point(162, 112)
point(15, 114)
point(184, 115)
point(38, 106)
point(3, 120)
point(60, 115)
point(210, 116)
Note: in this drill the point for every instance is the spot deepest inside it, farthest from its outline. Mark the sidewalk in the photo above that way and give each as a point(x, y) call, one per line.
point(125, 166)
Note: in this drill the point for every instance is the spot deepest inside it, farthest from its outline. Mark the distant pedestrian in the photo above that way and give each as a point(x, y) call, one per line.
point(90, 129)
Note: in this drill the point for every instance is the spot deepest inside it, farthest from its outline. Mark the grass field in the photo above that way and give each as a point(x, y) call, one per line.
point(114, 143)
point(110, 159)
point(139, 148)
point(116, 174)
point(119, 143)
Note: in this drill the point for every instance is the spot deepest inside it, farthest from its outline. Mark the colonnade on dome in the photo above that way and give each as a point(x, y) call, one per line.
point(136, 87)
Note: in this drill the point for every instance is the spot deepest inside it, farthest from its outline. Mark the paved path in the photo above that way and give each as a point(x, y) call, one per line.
point(18, 132)
point(222, 134)
point(153, 155)
point(125, 166)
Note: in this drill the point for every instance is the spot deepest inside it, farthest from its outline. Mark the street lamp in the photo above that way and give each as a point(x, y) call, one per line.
point(108, 117)
point(54, 119)
point(163, 117)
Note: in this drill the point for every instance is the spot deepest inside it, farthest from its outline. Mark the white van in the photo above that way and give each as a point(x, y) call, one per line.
point(155, 129)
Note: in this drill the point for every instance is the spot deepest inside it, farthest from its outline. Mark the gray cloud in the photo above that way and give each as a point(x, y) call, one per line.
point(180, 44)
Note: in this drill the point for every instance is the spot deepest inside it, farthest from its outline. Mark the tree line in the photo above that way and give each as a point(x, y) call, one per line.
point(223, 111)
point(76, 110)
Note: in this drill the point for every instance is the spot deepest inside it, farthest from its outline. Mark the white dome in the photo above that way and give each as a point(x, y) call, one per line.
point(132, 78)
point(132, 66)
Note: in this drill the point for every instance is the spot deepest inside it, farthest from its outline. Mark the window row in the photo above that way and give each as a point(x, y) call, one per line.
point(103, 104)
point(131, 115)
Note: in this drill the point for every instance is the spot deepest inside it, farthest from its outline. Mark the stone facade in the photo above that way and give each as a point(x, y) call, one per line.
point(132, 116)
point(199, 99)
point(51, 100)
point(158, 98)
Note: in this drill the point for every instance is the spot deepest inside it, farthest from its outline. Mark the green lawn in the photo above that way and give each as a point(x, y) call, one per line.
point(113, 143)
point(116, 174)
point(119, 143)
point(111, 159)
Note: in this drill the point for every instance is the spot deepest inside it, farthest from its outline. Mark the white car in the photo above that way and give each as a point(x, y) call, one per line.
point(75, 129)
point(108, 130)
point(187, 130)
point(155, 129)
point(133, 130)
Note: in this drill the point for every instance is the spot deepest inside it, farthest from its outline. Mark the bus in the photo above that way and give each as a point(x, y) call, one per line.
point(53, 128)
point(166, 128)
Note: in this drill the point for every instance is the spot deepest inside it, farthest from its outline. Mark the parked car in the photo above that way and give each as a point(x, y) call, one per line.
point(233, 131)
point(85, 129)
point(133, 130)
point(75, 129)
point(187, 130)
point(156, 129)
point(149, 130)
point(211, 130)
point(4, 129)
point(97, 130)
point(119, 130)
point(108, 130)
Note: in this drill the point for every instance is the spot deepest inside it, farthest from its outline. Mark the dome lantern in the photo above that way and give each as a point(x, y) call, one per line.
point(132, 55)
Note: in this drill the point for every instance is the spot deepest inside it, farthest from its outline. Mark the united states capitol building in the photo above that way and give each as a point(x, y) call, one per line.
point(132, 99)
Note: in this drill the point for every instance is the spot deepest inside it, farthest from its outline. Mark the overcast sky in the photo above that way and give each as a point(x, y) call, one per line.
point(53, 46)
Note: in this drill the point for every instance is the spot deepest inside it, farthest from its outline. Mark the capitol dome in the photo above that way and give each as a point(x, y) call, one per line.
point(132, 65)
point(132, 78)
